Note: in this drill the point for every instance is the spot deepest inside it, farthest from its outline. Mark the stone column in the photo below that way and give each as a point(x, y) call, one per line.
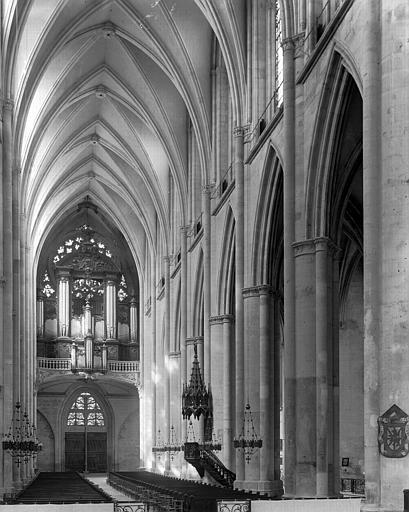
point(305, 370)
point(289, 267)
point(372, 199)
point(8, 391)
point(252, 380)
point(321, 363)
point(154, 367)
point(133, 320)
point(183, 316)
point(40, 315)
point(183, 301)
point(238, 170)
point(268, 409)
point(110, 305)
point(386, 262)
point(228, 390)
point(3, 424)
point(206, 282)
point(166, 352)
point(64, 316)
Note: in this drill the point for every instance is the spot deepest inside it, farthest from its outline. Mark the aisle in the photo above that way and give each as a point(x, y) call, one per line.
point(100, 479)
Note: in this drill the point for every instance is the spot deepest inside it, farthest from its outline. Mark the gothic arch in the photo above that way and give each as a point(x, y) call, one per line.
point(268, 233)
point(338, 88)
point(62, 415)
point(226, 285)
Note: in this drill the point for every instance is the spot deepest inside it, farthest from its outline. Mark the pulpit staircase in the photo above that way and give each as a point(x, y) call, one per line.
point(203, 459)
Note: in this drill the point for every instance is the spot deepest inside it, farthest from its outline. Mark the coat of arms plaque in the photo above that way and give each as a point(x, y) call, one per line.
point(393, 433)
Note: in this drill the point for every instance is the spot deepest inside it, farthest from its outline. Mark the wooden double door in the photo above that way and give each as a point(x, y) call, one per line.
point(86, 451)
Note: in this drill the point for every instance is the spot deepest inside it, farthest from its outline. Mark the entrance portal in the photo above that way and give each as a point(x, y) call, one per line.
point(86, 436)
point(86, 451)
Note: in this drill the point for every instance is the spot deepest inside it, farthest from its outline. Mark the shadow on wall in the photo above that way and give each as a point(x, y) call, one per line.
point(45, 458)
point(128, 449)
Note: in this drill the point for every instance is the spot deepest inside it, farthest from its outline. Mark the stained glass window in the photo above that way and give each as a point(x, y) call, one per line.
point(84, 235)
point(122, 293)
point(48, 290)
point(86, 289)
point(85, 411)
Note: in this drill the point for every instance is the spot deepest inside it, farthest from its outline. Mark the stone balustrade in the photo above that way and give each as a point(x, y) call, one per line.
point(54, 363)
point(64, 363)
point(123, 366)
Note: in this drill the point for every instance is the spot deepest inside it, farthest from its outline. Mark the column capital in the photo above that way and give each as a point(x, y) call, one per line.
point(7, 104)
point(304, 247)
point(208, 189)
point(238, 131)
point(288, 44)
point(314, 245)
point(266, 289)
point(261, 289)
point(197, 340)
point(220, 319)
point(252, 291)
point(326, 244)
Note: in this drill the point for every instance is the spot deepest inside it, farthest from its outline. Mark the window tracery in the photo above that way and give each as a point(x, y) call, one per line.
point(85, 411)
point(85, 239)
point(48, 290)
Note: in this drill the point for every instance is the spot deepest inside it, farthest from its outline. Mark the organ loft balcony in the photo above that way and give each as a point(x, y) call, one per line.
point(88, 309)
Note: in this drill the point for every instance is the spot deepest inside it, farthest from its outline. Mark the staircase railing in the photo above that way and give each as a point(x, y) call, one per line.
point(204, 459)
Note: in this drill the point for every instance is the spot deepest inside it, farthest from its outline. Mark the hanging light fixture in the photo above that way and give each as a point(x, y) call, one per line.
point(171, 447)
point(248, 440)
point(159, 447)
point(21, 440)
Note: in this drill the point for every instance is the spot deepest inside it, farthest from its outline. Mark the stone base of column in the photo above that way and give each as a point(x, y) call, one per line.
point(271, 487)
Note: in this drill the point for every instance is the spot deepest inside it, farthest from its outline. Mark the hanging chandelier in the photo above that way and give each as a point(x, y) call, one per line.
point(196, 399)
point(172, 447)
point(248, 440)
point(21, 440)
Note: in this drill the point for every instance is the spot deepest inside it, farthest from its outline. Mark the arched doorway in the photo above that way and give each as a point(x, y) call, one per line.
point(85, 440)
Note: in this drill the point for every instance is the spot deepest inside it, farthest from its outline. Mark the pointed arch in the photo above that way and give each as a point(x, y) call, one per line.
point(226, 278)
point(268, 233)
point(62, 415)
point(338, 90)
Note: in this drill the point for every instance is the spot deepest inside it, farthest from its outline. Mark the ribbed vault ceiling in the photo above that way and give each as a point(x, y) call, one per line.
point(103, 91)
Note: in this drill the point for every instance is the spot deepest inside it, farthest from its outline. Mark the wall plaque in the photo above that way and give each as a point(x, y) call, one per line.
point(393, 432)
